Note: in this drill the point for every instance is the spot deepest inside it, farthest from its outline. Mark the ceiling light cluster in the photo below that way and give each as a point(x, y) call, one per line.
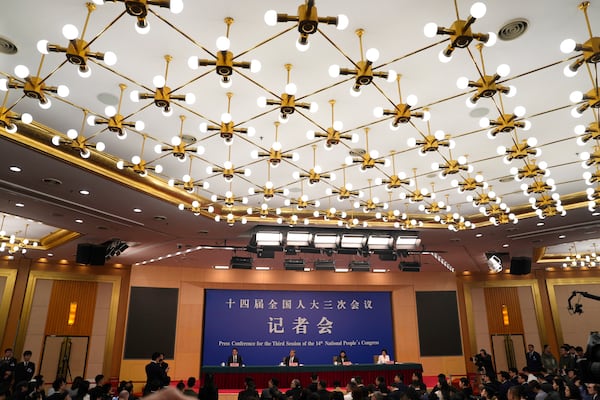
point(14, 243)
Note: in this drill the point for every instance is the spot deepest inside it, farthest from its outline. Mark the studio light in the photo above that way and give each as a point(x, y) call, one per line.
point(241, 262)
point(359, 266)
point(325, 240)
point(266, 238)
point(294, 264)
point(494, 263)
point(410, 266)
point(325, 265)
point(297, 239)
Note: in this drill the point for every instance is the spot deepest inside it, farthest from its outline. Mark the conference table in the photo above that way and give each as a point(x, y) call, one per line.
point(233, 377)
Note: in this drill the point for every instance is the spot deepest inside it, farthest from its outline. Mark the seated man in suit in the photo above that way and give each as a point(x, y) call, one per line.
point(342, 358)
point(291, 360)
point(234, 360)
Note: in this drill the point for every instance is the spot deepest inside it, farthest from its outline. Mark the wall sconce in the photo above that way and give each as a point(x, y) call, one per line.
point(72, 313)
point(505, 320)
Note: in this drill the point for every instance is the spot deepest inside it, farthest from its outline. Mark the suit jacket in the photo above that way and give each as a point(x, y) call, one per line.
point(230, 359)
point(156, 376)
point(342, 360)
point(24, 372)
point(286, 361)
point(534, 361)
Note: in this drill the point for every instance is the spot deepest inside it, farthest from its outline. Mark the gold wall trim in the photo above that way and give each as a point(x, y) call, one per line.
point(115, 280)
point(535, 291)
point(9, 286)
point(551, 283)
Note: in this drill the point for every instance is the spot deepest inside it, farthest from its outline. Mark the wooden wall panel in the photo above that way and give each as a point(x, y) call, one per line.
point(63, 293)
point(495, 298)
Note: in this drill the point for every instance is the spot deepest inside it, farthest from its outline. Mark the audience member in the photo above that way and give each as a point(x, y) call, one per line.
point(180, 386)
point(534, 360)
point(322, 392)
point(337, 393)
point(295, 392)
point(156, 376)
point(272, 391)
point(314, 382)
point(209, 390)
point(189, 390)
point(97, 392)
point(548, 360)
point(250, 392)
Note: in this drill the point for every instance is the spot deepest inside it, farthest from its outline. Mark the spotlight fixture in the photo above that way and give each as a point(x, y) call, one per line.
point(494, 263)
point(369, 159)
point(9, 118)
point(78, 142)
point(139, 9)
point(487, 85)
point(78, 50)
point(115, 248)
point(316, 172)
point(359, 266)
point(460, 32)
point(178, 147)
point(138, 164)
point(275, 154)
point(116, 122)
point(196, 208)
point(162, 96)
point(228, 169)
point(268, 190)
point(241, 262)
point(333, 135)
point(395, 180)
point(227, 128)
point(324, 265)
point(294, 264)
point(308, 21)
point(225, 60)
point(187, 182)
point(506, 123)
point(345, 191)
point(287, 102)
point(33, 87)
point(590, 49)
point(363, 70)
point(402, 112)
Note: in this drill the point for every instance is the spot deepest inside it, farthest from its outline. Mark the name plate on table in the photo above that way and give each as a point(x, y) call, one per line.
point(234, 364)
point(347, 363)
point(293, 364)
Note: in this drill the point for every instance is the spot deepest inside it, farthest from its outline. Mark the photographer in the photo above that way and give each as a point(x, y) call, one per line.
point(484, 363)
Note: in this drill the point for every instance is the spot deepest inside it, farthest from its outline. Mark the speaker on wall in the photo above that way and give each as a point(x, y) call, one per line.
point(90, 254)
point(520, 265)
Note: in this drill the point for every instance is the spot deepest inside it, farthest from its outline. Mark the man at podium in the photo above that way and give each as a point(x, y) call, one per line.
point(234, 360)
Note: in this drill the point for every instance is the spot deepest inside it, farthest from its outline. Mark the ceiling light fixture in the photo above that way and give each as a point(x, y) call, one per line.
point(287, 102)
point(302, 202)
point(139, 9)
point(138, 164)
point(345, 191)
point(275, 154)
point(460, 32)
point(78, 142)
point(224, 62)
point(334, 134)
point(228, 170)
point(33, 87)
point(268, 190)
point(316, 172)
point(228, 199)
point(116, 122)
point(9, 118)
point(363, 69)
point(178, 147)
point(370, 158)
point(430, 142)
point(308, 21)
point(590, 49)
point(187, 182)
point(395, 180)
point(372, 203)
point(227, 128)
point(163, 95)
point(402, 112)
point(78, 50)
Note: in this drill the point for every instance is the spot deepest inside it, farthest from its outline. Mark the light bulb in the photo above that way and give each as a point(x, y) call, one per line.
point(411, 142)
point(355, 91)
point(45, 105)
point(158, 81)
point(26, 118)
point(21, 71)
point(501, 150)
point(261, 101)
point(568, 46)
point(42, 46)
point(136, 159)
point(62, 91)
point(110, 58)
point(223, 43)
point(310, 134)
point(110, 111)
point(158, 169)
point(478, 10)
point(412, 100)
point(378, 112)
point(190, 98)
point(142, 27)
point(492, 39)
point(568, 72)
point(484, 122)
point(372, 55)
point(430, 29)
point(342, 22)
point(503, 70)
point(226, 118)
point(394, 127)
point(255, 66)
point(575, 113)
point(470, 103)
point(532, 141)
point(314, 107)
point(271, 18)
point(193, 62)
point(176, 6)
point(72, 134)
point(70, 32)
point(291, 89)
point(443, 57)
point(462, 83)
point(334, 71)
point(158, 149)
point(302, 47)
point(391, 75)
point(134, 96)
